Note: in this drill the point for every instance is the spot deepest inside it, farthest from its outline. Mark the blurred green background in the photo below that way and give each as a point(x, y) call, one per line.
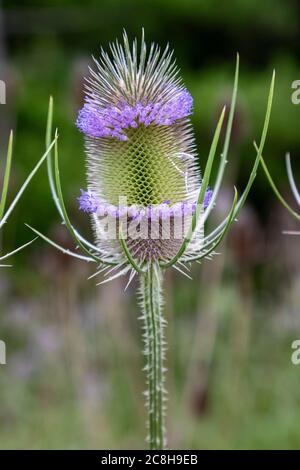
point(73, 375)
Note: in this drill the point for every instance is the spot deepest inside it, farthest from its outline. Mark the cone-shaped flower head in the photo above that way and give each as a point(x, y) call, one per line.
point(141, 159)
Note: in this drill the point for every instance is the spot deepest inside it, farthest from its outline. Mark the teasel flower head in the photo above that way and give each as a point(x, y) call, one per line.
point(145, 194)
point(140, 149)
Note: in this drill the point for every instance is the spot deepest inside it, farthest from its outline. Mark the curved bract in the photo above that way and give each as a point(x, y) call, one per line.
point(293, 186)
point(5, 214)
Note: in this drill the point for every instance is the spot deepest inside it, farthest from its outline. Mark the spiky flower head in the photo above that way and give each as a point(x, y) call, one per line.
point(140, 149)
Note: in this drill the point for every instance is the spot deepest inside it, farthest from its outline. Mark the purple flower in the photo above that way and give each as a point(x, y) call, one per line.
point(87, 202)
point(207, 197)
point(111, 121)
point(206, 200)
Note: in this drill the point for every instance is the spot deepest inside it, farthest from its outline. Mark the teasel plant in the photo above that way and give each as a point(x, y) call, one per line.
point(5, 213)
point(293, 186)
point(140, 145)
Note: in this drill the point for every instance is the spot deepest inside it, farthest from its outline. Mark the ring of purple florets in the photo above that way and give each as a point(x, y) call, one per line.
point(111, 121)
point(89, 203)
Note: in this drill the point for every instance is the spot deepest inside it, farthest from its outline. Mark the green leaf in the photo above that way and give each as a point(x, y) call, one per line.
point(204, 185)
point(64, 211)
point(8, 255)
point(275, 189)
point(230, 220)
point(252, 176)
point(291, 178)
point(52, 183)
point(224, 154)
point(25, 184)
point(59, 247)
point(127, 252)
point(6, 174)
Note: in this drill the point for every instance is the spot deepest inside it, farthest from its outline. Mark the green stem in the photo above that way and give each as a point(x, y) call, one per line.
point(153, 337)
